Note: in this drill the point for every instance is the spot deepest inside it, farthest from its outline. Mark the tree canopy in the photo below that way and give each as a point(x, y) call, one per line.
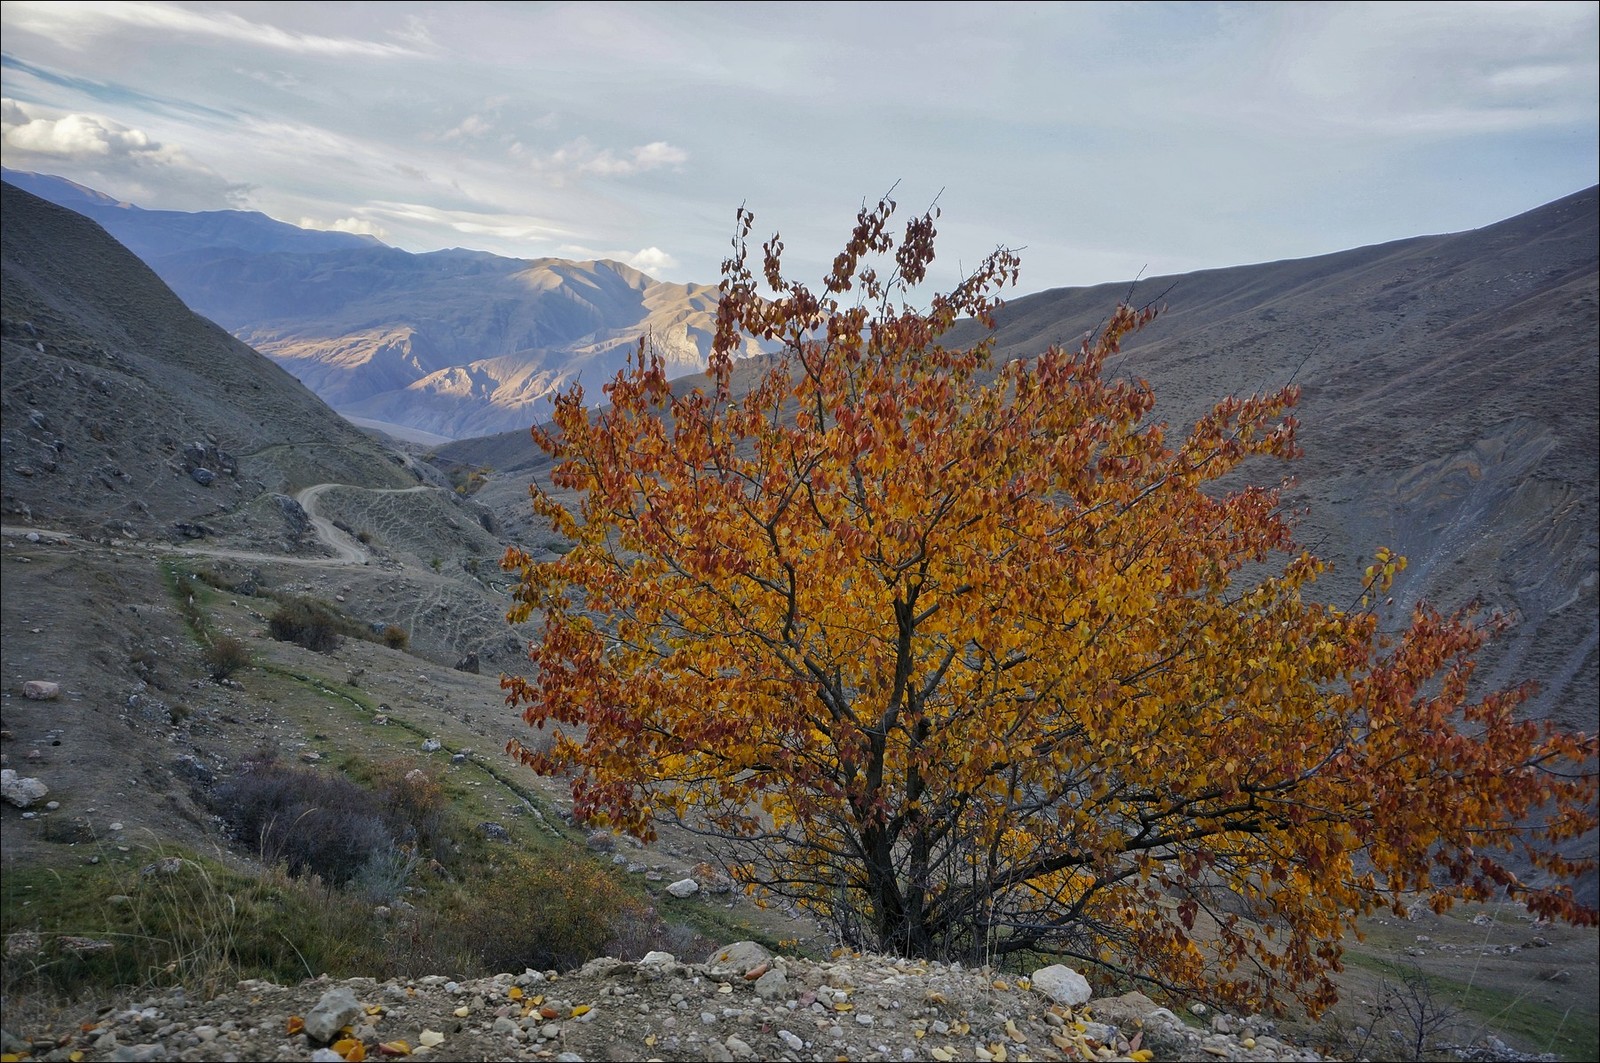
point(977, 660)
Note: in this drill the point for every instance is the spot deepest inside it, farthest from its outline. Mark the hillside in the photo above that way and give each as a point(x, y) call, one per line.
point(450, 344)
point(1450, 410)
point(123, 569)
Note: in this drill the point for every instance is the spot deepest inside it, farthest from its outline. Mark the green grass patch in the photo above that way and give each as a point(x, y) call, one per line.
point(1571, 1034)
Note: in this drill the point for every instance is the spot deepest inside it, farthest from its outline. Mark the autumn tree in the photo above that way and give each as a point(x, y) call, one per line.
point(976, 661)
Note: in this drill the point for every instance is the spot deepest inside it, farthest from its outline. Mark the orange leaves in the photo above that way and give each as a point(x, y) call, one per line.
point(942, 648)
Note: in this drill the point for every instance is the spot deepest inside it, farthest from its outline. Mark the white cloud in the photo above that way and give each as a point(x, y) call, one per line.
point(519, 228)
point(651, 260)
point(110, 156)
point(474, 125)
point(582, 157)
point(359, 226)
point(72, 23)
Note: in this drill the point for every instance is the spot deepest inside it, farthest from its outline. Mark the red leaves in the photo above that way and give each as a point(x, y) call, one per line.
point(889, 609)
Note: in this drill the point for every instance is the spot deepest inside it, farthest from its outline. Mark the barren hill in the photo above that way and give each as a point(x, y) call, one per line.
point(448, 344)
point(123, 408)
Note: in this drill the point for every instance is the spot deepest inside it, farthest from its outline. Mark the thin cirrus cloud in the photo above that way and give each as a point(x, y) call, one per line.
point(74, 24)
point(581, 156)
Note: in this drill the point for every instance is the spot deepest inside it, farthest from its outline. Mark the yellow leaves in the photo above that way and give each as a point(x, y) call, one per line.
point(295, 1025)
point(579, 1010)
point(395, 1048)
point(352, 1050)
point(886, 588)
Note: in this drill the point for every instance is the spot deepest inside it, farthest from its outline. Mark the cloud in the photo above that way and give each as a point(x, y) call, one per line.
point(474, 125)
point(110, 156)
point(517, 228)
point(359, 226)
point(582, 157)
point(71, 23)
point(651, 260)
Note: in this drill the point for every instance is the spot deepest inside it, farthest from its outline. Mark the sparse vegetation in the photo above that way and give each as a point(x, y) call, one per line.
point(396, 637)
point(306, 622)
point(226, 655)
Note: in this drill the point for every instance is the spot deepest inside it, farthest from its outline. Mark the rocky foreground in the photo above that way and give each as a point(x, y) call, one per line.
point(742, 1004)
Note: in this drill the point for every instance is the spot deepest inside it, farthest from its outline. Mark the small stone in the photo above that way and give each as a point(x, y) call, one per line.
point(772, 985)
point(117, 825)
point(795, 1043)
point(336, 1009)
point(710, 878)
point(1062, 984)
point(684, 887)
point(739, 959)
point(41, 690)
point(21, 791)
point(431, 745)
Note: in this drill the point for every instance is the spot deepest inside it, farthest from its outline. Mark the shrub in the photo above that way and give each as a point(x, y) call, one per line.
point(306, 622)
point(551, 913)
point(313, 823)
point(225, 656)
point(396, 637)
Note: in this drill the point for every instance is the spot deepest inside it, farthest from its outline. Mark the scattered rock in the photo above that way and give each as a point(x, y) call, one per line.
point(1062, 984)
point(495, 832)
point(469, 663)
point(41, 689)
point(20, 791)
point(710, 878)
point(337, 1008)
point(684, 887)
point(432, 745)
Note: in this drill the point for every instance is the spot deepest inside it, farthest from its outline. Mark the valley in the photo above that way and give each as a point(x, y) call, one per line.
point(166, 488)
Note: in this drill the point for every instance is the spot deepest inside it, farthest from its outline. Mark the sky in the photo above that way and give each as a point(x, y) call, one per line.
point(1104, 140)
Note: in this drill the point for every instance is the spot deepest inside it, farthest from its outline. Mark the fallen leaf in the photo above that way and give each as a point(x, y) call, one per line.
point(295, 1025)
point(395, 1048)
point(462, 1012)
point(581, 1009)
point(429, 1038)
point(515, 992)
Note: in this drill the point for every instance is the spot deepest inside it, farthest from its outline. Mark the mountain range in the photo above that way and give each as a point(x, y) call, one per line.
point(1450, 408)
point(166, 488)
point(435, 346)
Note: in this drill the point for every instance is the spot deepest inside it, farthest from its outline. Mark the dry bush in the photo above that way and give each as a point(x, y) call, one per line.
point(225, 656)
